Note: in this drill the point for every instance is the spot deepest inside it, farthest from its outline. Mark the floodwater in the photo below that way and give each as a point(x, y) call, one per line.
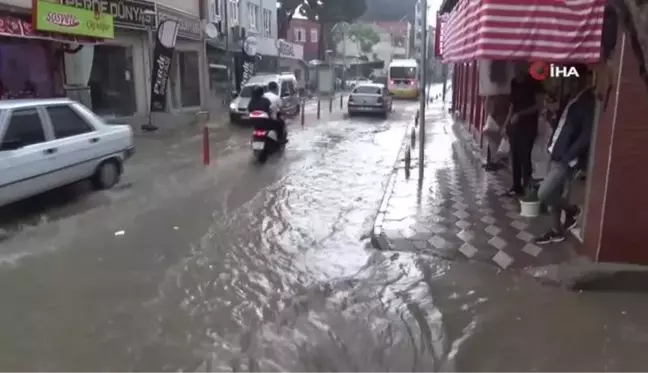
point(245, 268)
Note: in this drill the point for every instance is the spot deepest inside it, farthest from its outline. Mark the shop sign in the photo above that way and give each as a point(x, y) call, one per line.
point(16, 27)
point(134, 14)
point(190, 26)
point(285, 49)
point(52, 16)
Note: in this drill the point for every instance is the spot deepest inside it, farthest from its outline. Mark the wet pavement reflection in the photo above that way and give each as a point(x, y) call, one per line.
point(246, 268)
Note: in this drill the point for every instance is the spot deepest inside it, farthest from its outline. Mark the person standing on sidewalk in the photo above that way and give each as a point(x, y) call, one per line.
point(521, 128)
point(568, 149)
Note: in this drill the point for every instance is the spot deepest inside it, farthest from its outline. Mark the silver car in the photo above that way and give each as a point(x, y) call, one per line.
point(287, 90)
point(370, 98)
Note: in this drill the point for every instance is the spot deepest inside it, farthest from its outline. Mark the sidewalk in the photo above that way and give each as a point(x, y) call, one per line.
point(457, 212)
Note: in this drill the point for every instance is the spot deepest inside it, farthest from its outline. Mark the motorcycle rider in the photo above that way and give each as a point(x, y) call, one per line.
point(275, 107)
point(259, 102)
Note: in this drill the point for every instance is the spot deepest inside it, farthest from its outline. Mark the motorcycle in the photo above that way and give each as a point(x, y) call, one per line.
point(264, 142)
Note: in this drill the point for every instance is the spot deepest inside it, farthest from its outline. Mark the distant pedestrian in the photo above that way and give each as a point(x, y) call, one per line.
point(527, 99)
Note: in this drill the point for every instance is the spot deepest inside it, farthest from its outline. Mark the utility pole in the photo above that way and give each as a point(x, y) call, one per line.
point(422, 25)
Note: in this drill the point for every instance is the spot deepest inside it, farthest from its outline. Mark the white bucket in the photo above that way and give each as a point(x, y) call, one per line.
point(530, 209)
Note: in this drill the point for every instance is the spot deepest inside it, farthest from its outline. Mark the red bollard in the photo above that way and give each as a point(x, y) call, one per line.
point(206, 151)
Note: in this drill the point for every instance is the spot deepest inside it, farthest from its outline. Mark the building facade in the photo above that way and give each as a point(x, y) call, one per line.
point(305, 33)
point(113, 75)
point(614, 186)
point(393, 43)
point(254, 21)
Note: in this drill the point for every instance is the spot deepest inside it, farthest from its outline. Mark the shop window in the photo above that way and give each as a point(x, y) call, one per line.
point(189, 80)
point(111, 81)
point(25, 128)
point(25, 69)
point(66, 122)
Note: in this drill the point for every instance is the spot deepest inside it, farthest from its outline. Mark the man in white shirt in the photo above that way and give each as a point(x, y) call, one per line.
point(568, 150)
point(275, 101)
point(275, 108)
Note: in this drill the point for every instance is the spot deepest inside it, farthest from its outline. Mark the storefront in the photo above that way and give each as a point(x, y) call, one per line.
point(30, 60)
point(614, 181)
point(120, 69)
point(278, 55)
point(187, 80)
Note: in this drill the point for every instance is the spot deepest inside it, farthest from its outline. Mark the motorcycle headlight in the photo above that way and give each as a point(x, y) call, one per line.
point(233, 106)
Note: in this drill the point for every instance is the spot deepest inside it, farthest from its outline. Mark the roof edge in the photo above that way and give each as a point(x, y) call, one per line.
point(447, 6)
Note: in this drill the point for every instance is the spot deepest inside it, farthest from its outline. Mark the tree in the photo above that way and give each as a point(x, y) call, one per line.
point(329, 12)
point(364, 36)
point(286, 9)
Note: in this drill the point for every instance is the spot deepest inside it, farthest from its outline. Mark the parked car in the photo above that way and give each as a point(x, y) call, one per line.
point(49, 143)
point(353, 82)
point(370, 98)
point(287, 91)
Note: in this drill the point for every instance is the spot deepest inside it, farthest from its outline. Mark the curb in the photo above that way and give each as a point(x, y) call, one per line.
point(378, 239)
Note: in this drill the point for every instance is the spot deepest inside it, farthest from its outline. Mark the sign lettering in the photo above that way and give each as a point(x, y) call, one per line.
point(285, 49)
point(189, 26)
point(126, 13)
point(52, 16)
point(541, 70)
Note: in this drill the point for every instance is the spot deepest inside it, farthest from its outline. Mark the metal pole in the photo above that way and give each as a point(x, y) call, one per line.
point(278, 56)
point(149, 126)
point(228, 57)
point(444, 74)
point(424, 34)
point(343, 75)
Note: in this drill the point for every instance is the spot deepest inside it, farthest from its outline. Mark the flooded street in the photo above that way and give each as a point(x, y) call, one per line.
point(240, 267)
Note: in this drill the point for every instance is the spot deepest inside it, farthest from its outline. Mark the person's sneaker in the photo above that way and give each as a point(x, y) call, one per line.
point(571, 219)
point(550, 237)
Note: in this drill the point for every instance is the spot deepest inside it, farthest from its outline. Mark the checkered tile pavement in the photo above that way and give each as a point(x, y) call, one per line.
point(458, 212)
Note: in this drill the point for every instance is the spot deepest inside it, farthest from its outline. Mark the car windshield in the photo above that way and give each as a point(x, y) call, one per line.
point(247, 90)
point(367, 89)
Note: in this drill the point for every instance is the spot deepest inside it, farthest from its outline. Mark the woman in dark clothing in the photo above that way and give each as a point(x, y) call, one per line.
point(258, 102)
point(522, 128)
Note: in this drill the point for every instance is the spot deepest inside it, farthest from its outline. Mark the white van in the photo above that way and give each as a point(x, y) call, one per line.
point(287, 91)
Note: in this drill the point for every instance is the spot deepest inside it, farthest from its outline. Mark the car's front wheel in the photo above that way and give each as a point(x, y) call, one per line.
point(107, 174)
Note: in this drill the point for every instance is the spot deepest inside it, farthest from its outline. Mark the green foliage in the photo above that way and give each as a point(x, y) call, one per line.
point(364, 36)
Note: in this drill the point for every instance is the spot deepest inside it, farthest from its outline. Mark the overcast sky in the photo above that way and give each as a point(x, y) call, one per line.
point(433, 6)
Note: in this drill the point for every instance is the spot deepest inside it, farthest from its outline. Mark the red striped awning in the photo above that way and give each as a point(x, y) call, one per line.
point(547, 30)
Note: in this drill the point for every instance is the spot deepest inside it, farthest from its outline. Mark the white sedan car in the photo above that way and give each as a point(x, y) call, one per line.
point(370, 98)
point(49, 143)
